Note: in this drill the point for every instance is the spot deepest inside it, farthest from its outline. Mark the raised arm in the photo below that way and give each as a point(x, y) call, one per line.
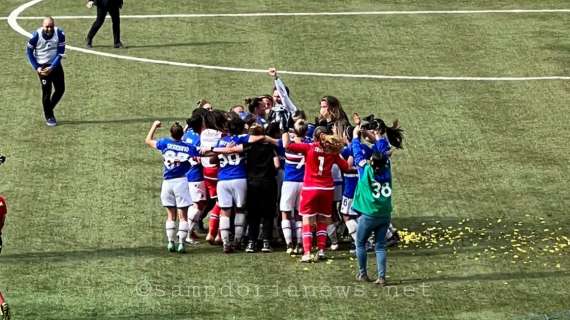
point(282, 91)
point(149, 140)
point(212, 151)
point(357, 153)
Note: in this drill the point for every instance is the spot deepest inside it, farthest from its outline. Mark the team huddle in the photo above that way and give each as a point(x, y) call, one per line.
point(244, 166)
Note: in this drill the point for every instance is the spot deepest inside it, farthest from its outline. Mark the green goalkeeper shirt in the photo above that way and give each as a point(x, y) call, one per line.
point(372, 197)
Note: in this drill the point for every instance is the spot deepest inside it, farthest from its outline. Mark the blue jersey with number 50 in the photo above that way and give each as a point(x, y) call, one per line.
point(176, 156)
point(232, 166)
point(195, 173)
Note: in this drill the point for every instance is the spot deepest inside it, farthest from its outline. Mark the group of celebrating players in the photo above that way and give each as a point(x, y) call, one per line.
point(240, 167)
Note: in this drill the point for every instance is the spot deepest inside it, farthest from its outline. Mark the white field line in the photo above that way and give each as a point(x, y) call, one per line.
point(15, 15)
point(288, 14)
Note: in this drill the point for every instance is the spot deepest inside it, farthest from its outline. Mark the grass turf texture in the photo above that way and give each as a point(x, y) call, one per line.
point(85, 235)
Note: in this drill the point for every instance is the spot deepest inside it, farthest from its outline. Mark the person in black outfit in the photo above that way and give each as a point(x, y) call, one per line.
point(262, 164)
point(113, 8)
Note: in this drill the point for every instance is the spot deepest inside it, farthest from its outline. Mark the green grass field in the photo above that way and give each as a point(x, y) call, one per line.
point(483, 178)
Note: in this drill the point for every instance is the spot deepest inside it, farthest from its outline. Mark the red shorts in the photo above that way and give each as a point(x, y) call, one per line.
point(211, 188)
point(210, 181)
point(316, 202)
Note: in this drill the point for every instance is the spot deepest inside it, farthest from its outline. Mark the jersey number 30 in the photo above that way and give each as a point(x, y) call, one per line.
point(232, 159)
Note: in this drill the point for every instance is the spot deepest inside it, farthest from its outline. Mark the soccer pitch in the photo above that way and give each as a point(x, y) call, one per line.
point(481, 186)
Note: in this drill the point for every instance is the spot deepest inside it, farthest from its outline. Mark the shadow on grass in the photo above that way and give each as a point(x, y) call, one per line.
point(140, 316)
point(499, 276)
point(148, 120)
point(95, 254)
point(172, 45)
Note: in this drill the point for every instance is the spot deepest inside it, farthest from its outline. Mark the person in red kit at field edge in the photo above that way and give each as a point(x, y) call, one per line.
point(3, 209)
point(3, 212)
point(4, 310)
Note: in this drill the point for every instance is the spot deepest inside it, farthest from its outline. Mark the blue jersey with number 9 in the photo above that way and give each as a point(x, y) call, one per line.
point(232, 166)
point(176, 156)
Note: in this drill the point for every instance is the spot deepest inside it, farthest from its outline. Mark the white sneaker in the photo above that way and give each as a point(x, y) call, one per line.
point(334, 246)
point(290, 248)
point(320, 255)
point(306, 258)
point(298, 249)
point(191, 241)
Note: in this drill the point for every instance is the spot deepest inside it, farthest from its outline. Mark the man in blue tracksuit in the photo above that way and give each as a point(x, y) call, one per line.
point(45, 50)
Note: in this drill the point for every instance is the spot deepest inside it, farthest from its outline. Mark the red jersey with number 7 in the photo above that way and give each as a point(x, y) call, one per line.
point(318, 165)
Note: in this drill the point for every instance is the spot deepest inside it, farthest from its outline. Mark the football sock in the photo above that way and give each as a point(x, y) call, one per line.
point(331, 231)
point(170, 230)
point(286, 227)
point(307, 238)
point(352, 226)
point(193, 218)
point(225, 229)
point(299, 231)
point(182, 231)
point(239, 224)
point(321, 236)
point(213, 223)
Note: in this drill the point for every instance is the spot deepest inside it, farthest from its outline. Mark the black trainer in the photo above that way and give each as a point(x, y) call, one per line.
point(5, 311)
point(266, 246)
point(250, 248)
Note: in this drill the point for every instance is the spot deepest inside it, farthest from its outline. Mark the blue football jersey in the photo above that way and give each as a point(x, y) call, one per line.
point(310, 132)
point(195, 173)
point(232, 166)
point(176, 156)
point(294, 169)
point(350, 179)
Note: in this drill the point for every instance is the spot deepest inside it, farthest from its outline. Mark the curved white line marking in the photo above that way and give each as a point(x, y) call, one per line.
point(288, 14)
point(14, 16)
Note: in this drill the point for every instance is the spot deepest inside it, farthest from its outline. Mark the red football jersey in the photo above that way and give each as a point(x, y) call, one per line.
point(318, 165)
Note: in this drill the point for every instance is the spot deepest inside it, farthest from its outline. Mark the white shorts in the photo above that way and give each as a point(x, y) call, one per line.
point(197, 191)
point(337, 192)
point(175, 193)
point(290, 196)
point(346, 207)
point(232, 192)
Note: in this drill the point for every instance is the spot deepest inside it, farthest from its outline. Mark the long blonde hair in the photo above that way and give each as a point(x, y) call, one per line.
point(331, 143)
